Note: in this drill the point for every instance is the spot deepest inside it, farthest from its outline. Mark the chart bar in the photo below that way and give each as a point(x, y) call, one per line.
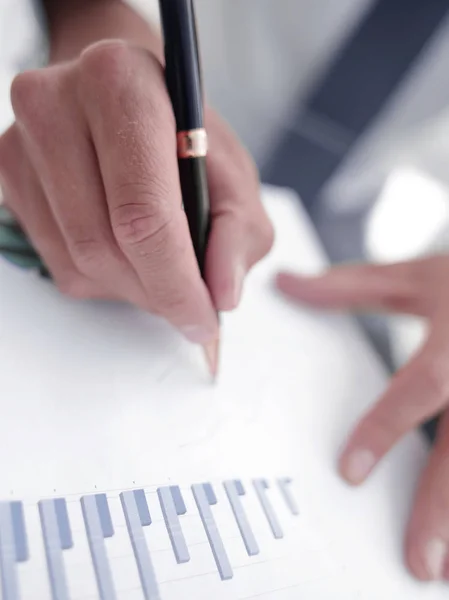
point(62, 518)
point(234, 490)
point(98, 524)
point(13, 547)
point(55, 528)
point(105, 515)
point(286, 492)
point(142, 508)
point(261, 486)
point(20, 536)
point(173, 506)
point(57, 535)
point(205, 498)
point(137, 517)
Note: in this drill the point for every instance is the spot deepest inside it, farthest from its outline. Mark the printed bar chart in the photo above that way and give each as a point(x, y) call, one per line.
point(57, 536)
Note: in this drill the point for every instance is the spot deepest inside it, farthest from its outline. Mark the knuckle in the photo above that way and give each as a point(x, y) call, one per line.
point(249, 166)
point(382, 429)
point(263, 231)
point(171, 287)
point(105, 62)
point(244, 170)
point(3, 153)
point(260, 231)
point(89, 254)
point(135, 223)
point(168, 296)
point(11, 156)
point(434, 380)
point(388, 421)
point(130, 79)
point(440, 501)
point(31, 93)
point(23, 91)
point(441, 489)
point(228, 154)
point(169, 302)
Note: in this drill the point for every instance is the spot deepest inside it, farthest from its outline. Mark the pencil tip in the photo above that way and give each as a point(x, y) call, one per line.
point(212, 351)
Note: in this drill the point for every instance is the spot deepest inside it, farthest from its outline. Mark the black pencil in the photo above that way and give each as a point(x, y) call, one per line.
point(184, 83)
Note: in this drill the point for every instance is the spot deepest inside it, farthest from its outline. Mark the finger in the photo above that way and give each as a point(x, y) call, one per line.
point(132, 124)
point(427, 540)
point(241, 231)
point(417, 392)
point(25, 198)
point(58, 144)
point(395, 288)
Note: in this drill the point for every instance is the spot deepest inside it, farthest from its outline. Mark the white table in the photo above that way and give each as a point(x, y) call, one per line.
point(101, 397)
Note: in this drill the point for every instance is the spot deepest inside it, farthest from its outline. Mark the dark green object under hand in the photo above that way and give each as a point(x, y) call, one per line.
point(15, 246)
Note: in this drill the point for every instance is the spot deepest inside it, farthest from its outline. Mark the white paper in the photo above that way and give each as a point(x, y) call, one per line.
point(102, 398)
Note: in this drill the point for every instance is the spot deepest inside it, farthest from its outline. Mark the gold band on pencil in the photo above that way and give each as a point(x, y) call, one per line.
point(192, 144)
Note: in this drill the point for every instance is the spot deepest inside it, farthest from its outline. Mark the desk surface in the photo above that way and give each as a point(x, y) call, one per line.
point(101, 397)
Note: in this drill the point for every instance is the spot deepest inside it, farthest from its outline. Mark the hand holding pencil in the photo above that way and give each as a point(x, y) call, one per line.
point(90, 173)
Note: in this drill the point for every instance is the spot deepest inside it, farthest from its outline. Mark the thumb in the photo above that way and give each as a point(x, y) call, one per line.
point(241, 233)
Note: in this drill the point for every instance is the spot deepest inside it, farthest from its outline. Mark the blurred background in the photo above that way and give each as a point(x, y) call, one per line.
point(345, 101)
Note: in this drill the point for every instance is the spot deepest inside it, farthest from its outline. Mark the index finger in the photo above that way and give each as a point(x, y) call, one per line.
point(416, 393)
point(427, 541)
point(396, 288)
point(133, 130)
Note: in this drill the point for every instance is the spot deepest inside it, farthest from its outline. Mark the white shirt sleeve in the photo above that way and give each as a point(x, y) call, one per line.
point(22, 40)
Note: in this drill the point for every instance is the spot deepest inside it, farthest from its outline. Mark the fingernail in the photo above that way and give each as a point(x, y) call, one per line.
point(435, 557)
point(197, 334)
point(230, 298)
point(239, 277)
point(358, 466)
point(211, 352)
